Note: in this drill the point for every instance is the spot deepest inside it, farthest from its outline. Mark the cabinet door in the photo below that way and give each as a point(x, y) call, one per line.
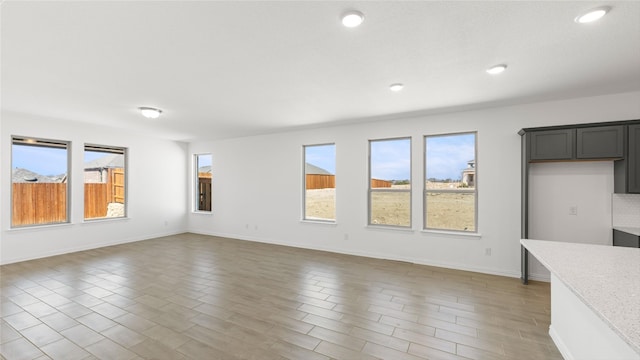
point(633, 160)
point(600, 142)
point(552, 144)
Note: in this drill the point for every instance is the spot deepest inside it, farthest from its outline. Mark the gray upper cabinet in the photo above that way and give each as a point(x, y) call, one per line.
point(600, 142)
point(633, 159)
point(552, 144)
point(626, 172)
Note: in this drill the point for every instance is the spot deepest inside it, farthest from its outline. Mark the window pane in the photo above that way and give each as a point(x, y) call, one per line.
point(320, 182)
point(450, 170)
point(390, 182)
point(204, 180)
point(451, 211)
point(391, 163)
point(104, 182)
point(39, 182)
point(391, 208)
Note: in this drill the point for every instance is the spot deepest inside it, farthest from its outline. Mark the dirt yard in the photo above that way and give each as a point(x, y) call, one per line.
point(453, 211)
point(320, 204)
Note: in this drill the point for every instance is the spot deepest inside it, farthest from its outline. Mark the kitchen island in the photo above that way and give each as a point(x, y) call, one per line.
point(595, 298)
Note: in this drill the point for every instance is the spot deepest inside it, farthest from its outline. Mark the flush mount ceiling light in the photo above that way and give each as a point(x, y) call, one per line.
point(497, 69)
point(352, 18)
point(592, 15)
point(149, 112)
point(396, 87)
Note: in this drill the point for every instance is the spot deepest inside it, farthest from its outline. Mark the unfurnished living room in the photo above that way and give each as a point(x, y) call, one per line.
point(320, 180)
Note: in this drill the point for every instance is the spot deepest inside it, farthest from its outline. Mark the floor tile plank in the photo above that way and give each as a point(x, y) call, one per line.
point(193, 296)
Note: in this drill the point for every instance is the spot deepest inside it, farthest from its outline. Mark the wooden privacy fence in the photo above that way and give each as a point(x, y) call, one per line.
point(45, 203)
point(204, 191)
point(116, 184)
point(377, 183)
point(320, 181)
point(41, 203)
point(97, 197)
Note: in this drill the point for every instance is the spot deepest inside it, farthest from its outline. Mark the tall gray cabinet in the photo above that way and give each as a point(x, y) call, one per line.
point(617, 141)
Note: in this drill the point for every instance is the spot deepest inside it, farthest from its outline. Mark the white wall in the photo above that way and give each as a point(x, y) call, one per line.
point(626, 210)
point(554, 188)
point(257, 184)
point(156, 190)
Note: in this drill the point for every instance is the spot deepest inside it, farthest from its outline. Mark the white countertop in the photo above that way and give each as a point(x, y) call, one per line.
point(605, 278)
point(628, 229)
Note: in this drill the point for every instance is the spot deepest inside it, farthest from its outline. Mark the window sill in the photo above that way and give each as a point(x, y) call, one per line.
point(319, 222)
point(39, 227)
point(389, 228)
point(102, 220)
point(202, 212)
point(452, 233)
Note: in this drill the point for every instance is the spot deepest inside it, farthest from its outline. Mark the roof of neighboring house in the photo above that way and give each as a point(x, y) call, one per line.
point(107, 161)
point(312, 169)
point(205, 169)
point(27, 176)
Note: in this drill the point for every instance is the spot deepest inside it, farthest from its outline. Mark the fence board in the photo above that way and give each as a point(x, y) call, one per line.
point(41, 203)
point(96, 200)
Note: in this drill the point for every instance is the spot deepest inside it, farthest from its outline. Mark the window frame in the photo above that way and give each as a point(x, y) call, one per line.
point(476, 230)
point(371, 190)
point(115, 150)
point(304, 186)
point(48, 143)
point(196, 194)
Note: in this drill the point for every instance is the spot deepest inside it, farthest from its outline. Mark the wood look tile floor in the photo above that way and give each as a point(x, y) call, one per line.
point(201, 297)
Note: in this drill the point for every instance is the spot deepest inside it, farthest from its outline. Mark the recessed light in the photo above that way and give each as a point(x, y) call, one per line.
point(496, 69)
point(352, 18)
point(149, 112)
point(592, 15)
point(396, 87)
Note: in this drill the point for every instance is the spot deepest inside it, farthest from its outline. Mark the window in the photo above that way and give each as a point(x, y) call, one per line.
point(450, 195)
point(39, 170)
point(203, 178)
point(390, 182)
point(104, 182)
point(320, 182)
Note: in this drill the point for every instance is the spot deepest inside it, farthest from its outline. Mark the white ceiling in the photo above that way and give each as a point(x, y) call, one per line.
point(228, 69)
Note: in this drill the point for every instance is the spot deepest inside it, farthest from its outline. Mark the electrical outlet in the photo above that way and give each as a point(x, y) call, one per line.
point(487, 251)
point(573, 210)
point(346, 236)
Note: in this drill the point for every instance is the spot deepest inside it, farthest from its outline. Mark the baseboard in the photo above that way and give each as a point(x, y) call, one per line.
point(540, 277)
point(90, 247)
point(489, 271)
point(564, 351)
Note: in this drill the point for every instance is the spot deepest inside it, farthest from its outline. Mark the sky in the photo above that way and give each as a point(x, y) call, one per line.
point(45, 161)
point(391, 159)
point(204, 160)
point(322, 156)
point(447, 156)
point(40, 160)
